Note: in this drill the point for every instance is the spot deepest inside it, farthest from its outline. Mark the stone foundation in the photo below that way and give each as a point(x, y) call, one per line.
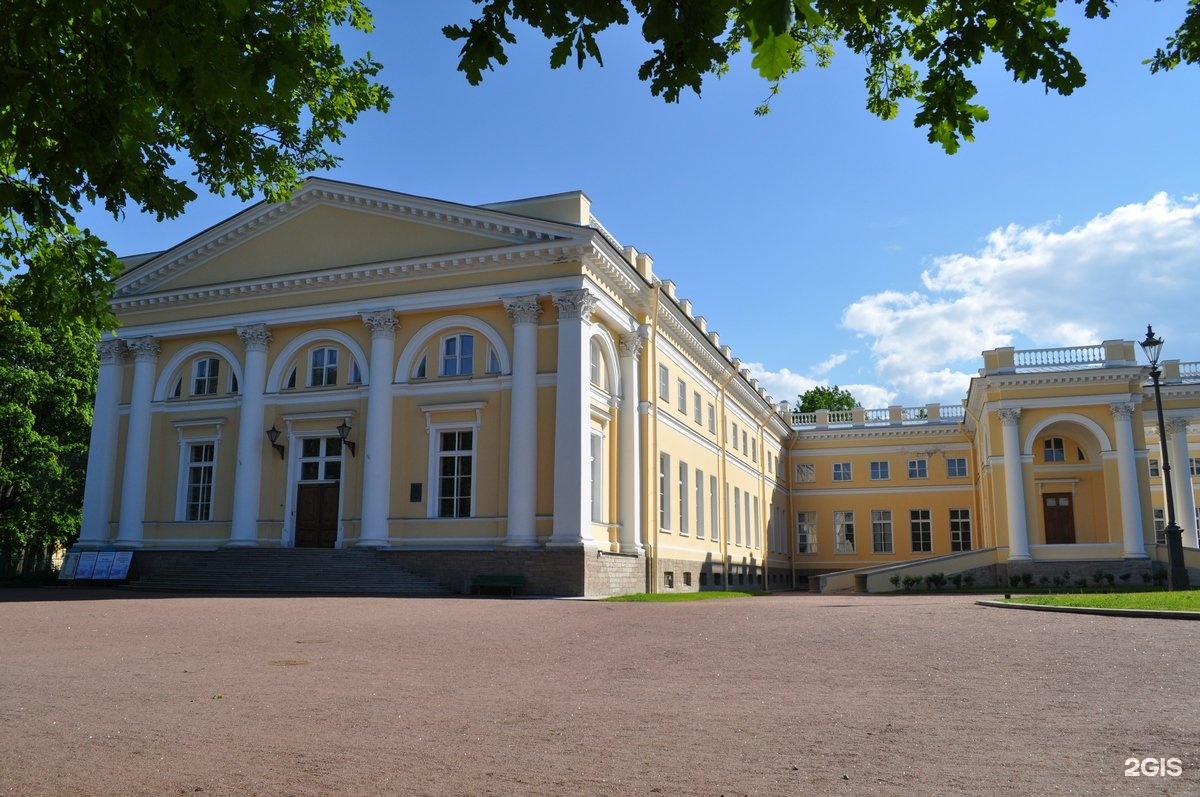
point(551, 572)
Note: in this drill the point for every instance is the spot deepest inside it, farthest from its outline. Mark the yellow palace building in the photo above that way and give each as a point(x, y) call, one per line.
point(460, 392)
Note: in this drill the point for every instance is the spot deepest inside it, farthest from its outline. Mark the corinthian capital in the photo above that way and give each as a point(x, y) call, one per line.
point(574, 304)
point(1009, 417)
point(255, 337)
point(1122, 410)
point(1176, 426)
point(630, 344)
point(523, 309)
point(111, 351)
point(144, 350)
point(382, 323)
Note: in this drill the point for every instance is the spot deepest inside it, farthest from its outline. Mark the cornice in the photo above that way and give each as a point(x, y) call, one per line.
point(347, 276)
point(315, 192)
point(879, 432)
point(1082, 376)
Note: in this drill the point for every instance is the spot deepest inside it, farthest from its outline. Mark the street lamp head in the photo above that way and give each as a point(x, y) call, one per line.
point(1152, 346)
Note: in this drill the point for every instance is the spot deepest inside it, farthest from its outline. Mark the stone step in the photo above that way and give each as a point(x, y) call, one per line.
point(314, 571)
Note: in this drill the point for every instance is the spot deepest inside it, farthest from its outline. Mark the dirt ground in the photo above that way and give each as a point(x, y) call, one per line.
point(112, 693)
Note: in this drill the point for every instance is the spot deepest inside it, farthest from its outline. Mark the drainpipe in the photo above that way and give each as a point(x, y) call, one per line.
point(650, 453)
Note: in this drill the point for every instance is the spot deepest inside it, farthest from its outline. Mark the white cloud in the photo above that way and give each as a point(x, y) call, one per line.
point(831, 362)
point(785, 385)
point(1033, 286)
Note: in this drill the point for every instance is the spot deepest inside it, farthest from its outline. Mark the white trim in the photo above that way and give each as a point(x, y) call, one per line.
point(434, 430)
point(182, 356)
point(275, 375)
point(185, 444)
point(403, 372)
point(287, 536)
point(1097, 431)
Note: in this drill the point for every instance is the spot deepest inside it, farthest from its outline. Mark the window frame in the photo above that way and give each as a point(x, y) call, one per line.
point(187, 467)
point(1054, 450)
point(463, 363)
point(954, 464)
point(806, 532)
point(327, 369)
point(920, 538)
point(960, 524)
point(844, 539)
point(882, 533)
point(210, 379)
point(918, 469)
point(880, 470)
point(843, 472)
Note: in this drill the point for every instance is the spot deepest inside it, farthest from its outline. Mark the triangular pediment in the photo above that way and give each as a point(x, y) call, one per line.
point(327, 226)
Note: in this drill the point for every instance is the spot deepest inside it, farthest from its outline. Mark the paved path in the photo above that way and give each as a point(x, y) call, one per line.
point(108, 693)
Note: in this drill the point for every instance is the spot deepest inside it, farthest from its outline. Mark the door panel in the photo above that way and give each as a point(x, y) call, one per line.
point(1060, 518)
point(316, 515)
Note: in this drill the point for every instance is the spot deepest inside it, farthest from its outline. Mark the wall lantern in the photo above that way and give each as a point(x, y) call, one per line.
point(343, 431)
point(273, 435)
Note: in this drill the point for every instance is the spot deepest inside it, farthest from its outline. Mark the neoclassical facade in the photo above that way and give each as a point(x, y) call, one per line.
point(506, 388)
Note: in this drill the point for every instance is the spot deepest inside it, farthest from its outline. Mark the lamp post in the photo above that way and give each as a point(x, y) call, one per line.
point(1177, 577)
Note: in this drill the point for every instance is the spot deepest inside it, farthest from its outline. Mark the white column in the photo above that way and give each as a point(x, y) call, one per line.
point(1127, 478)
point(572, 445)
point(1014, 486)
point(247, 486)
point(377, 450)
point(137, 443)
point(629, 459)
point(102, 452)
point(1181, 479)
point(522, 425)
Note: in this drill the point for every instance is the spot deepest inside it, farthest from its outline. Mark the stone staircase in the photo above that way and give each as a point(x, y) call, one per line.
point(287, 570)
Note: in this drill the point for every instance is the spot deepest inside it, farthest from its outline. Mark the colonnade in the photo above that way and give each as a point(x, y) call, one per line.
point(571, 510)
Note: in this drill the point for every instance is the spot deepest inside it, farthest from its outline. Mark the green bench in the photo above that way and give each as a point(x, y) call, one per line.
point(499, 582)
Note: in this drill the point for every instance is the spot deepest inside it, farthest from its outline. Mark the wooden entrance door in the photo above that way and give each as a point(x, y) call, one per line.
point(1060, 518)
point(316, 515)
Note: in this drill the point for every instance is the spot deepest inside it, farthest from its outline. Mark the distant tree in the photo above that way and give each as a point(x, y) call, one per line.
point(99, 97)
point(826, 398)
point(914, 49)
point(47, 386)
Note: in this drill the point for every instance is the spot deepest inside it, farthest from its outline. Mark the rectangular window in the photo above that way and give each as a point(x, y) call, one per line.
point(960, 529)
point(806, 472)
point(745, 448)
point(918, 469)
point(681, 395)
point(684, 497)
point(841, 471)
point(323, 365)
point(1160, 526)
point(712, 419)
point(1194, 464)
point(843, 532)
point(714, 530)
point(458, 355)
point(664, 491)
point(881, 530)
point(753, 449)
point(456, 466)
point(1154, 471)
point(664, 383)
point(597, 472)
point(735, 436)
point(921, 527)
point(1054, 450)
point(806, 532)
point(199, 492)
point(320, 459)
point(956, 467)
point(880, 470)
point(737, 516)
point(697, 409)
point(204, 376)
point(699, 504)
point(746, 510)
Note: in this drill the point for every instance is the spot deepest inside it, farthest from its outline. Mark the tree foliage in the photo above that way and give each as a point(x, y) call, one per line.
point(826, 398)
point(920, 50)
point(47, 387)
point(98, 99)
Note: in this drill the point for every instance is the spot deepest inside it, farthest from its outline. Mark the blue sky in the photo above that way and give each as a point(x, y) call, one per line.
point(826, 246)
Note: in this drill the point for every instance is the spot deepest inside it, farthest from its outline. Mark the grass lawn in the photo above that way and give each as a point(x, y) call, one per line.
point(676, 597)
point(1182, 601)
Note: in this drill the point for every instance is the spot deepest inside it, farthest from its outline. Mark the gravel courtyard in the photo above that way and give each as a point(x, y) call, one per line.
point(113, 693)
